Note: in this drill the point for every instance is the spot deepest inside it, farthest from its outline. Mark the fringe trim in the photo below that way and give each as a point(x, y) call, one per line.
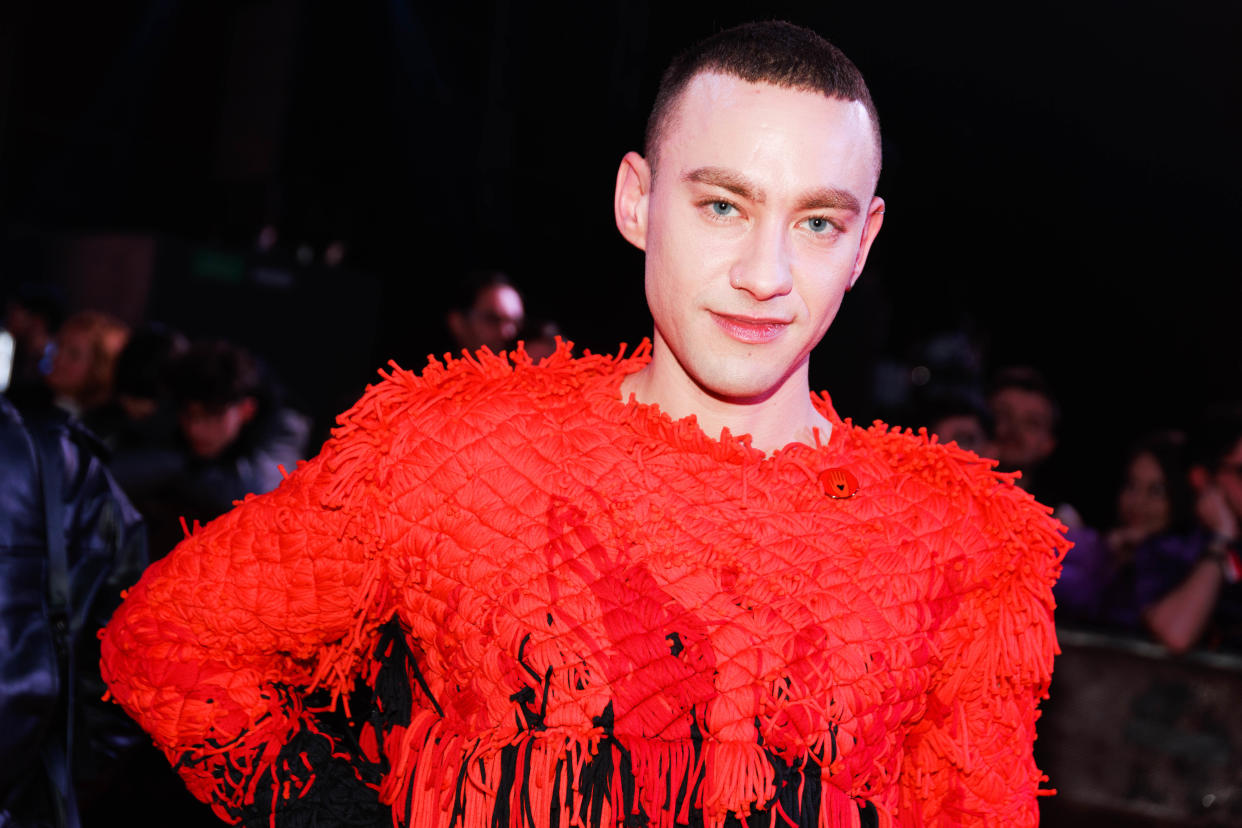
point(551, 776)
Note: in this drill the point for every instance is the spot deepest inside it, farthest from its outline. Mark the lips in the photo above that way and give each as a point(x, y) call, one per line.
point(750, 330)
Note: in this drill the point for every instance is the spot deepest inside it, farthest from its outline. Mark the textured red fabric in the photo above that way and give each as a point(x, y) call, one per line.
point(531, 530)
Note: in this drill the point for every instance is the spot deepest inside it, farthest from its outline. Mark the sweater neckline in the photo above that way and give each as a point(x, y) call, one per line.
point(652, 423)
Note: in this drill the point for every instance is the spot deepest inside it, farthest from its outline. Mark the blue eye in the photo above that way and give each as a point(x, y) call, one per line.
point(819, 225)
point(722, 208)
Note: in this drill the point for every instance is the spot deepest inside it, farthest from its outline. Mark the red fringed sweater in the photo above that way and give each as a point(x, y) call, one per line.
point(502, 596)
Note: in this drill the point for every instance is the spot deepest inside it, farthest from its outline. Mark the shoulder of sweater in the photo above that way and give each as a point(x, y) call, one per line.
point(474, 390)
point(967, 484)
point(916, 453)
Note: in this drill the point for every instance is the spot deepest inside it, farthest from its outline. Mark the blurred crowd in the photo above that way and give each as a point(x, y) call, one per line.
point(179, 430)
point(1162, 563)
point(187, 428)
point(114, 443)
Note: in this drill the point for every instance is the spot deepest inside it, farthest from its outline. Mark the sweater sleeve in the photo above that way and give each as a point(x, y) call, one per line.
point(217, 650)
point(969, 761)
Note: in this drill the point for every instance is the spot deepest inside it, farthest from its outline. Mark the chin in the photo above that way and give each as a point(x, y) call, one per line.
point(739, 387)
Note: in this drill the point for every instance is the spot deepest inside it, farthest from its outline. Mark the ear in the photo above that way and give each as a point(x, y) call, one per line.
point(875, 219)
point(456, 325)
point(631, 198)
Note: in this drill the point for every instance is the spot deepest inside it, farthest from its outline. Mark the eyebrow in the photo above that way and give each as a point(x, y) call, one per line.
point(821, 198)
point(829, 198)
point(727, 179)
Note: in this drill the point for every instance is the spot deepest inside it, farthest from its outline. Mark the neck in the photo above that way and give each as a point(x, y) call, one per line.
point(785, 415)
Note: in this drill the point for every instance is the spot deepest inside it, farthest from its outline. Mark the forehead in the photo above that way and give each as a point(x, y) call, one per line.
point(500, 298)
point(1021, 399)
point(1144, 464)
point(723, 120)
point(196, 409)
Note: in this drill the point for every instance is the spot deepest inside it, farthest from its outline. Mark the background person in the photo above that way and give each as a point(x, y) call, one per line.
point(486, 311)
point(1025, 417)
point(1205, 607)
point(84, 361)
point(69, 543)
point(234, 435)
point(1109, 578)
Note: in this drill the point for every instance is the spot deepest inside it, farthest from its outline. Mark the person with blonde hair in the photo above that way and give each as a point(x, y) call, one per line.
point(84, 363)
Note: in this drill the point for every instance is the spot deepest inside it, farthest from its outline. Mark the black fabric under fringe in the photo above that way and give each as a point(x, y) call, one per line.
point(344, 789)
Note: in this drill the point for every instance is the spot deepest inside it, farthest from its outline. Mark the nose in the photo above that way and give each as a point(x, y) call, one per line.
point(763, 270)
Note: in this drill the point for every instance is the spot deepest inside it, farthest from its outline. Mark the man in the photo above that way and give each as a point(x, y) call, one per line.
point(669, 588)
point(1025, 415)
point(487, 311)
point(958, 418)
point(233, 438)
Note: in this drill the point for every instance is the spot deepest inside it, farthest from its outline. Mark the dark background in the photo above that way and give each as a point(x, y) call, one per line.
point(1062, 178)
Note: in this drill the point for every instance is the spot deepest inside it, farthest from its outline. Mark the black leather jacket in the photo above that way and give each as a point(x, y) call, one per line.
point(106, 552)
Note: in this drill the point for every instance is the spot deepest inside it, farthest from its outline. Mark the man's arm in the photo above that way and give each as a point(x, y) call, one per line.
point(216, 648)
point(970, 762)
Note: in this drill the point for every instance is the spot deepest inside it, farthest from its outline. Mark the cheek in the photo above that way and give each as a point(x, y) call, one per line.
point(683, 247)
point(675, 273)
point(825, 271)
point(823, 297)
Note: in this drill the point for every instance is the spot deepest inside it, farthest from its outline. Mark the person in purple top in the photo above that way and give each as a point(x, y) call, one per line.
point(1111, 577)
point(1203, 606)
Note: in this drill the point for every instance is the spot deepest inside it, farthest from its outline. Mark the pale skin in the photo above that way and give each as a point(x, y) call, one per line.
point(759, 220)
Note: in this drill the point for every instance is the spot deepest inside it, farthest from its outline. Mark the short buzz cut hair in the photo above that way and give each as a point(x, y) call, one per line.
point(773, 52)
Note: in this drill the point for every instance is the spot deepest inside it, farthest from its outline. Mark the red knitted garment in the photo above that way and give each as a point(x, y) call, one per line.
point(602, 614)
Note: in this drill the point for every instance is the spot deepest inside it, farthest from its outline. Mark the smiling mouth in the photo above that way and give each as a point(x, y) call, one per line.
point(750, 330)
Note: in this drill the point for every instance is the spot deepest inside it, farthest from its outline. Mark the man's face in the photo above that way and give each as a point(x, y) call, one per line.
point(494, 319)
point(964, 429)
point(1024, 436)
point(210, 431)
point(757, 221)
